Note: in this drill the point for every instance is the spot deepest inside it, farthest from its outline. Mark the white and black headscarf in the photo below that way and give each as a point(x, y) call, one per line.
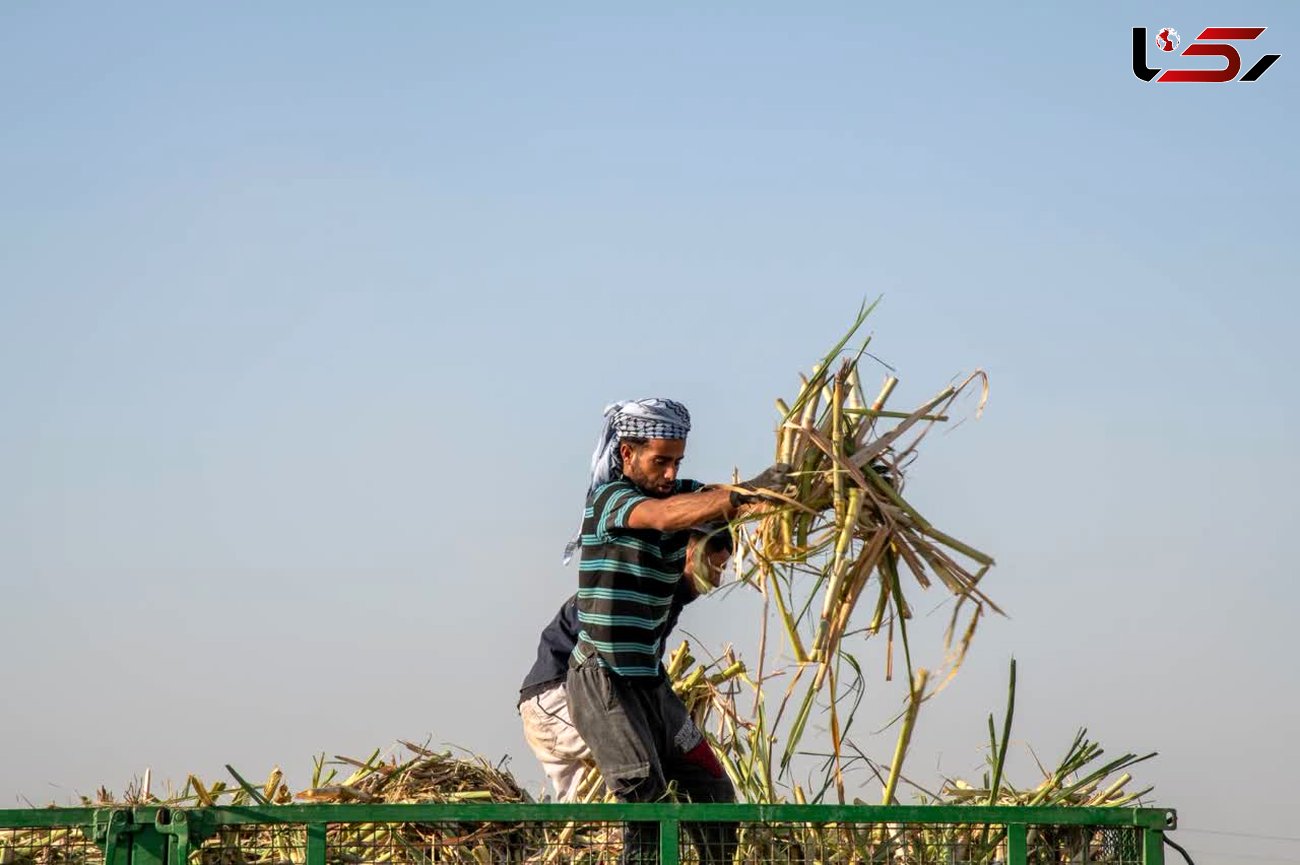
point(654, 418)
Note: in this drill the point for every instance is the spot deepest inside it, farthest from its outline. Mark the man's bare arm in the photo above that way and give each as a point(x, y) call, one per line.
point(681, 511)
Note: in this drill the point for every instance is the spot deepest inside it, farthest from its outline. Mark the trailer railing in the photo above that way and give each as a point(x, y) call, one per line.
point(584, 834)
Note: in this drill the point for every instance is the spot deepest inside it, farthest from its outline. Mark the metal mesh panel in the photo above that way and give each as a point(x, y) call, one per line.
point(588, 843)
point(712, 843)
point(883, 843)
point(60, 846)
point(1086, 845)
point(473, 843)
point(254, 844)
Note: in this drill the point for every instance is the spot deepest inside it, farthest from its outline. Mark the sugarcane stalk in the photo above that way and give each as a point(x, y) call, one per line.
point(837, 440)
point(840, 562)
point(889, 651)
point(1113, 790)
point(853, 389)
point(882, 413)
point(797, 727)
point(996, 784)
point(869, 452)
point(868, 426)
point(905, 734)
point(788, 622)
point(252, 791)
point(835, 737)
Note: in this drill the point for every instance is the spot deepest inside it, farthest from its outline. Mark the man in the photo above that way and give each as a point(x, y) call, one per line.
point(633, 543)
point(543, 697)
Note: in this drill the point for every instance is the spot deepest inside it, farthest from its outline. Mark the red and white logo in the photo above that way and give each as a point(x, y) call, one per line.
point(1212, 42)
point(1168, 39)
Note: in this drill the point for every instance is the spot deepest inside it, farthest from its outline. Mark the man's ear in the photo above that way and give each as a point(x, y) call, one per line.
point(625, 452)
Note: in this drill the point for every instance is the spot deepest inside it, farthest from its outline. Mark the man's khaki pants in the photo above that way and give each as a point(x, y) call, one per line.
point(555, 741)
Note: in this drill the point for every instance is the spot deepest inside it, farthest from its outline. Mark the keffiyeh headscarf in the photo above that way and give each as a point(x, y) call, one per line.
point(654, 418)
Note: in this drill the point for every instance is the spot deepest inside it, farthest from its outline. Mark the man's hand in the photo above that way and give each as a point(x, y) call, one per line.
point(774, 478)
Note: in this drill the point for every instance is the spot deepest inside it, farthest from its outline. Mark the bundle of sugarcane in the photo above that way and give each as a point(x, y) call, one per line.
point(1074, 783)
point(1078, 781)
point(847, 520)
point(702, 686)
point(419, 775)
point(845, 534)
point(424, 776)
point(427, 776)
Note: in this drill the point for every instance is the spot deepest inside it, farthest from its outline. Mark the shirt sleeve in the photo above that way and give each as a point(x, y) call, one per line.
point(566, 621)
point(613, 506)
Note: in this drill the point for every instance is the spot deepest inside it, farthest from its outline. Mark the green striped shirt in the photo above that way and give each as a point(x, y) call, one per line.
point(626, 580)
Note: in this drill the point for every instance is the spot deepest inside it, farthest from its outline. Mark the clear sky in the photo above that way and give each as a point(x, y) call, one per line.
point(308, 312)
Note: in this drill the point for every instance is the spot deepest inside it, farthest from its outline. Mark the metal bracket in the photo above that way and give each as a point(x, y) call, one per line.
point(176, 824)
point(118, 831)
point(108, 828)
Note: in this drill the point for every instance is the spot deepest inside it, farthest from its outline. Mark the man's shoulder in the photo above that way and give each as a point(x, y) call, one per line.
point(621, 488)
point(566, 620)
point(620, 483)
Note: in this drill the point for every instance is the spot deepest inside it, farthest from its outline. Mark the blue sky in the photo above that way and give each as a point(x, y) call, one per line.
point(308, 314)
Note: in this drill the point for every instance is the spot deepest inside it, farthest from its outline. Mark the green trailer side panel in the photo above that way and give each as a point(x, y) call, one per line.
point(1017, 844)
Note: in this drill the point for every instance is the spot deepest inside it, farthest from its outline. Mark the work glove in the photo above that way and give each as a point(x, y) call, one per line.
point(774, 477)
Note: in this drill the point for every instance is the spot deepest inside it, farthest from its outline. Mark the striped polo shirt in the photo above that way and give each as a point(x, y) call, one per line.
point(626, 580)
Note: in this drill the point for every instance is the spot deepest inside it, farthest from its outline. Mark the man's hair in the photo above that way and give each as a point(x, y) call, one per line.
point(720, 543)
point(719, 538)
point(633, 442)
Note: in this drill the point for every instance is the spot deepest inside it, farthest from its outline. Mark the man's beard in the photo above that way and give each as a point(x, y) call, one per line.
point(647, 488)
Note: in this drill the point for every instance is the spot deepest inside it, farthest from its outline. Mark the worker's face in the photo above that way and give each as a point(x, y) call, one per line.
point(717, 561)
point(710, 567)
point(653, 466)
